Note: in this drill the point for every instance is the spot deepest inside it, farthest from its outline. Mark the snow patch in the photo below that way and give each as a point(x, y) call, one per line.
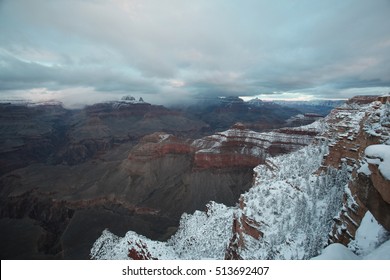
point(336, 251)
point(371, 243)
point(379, 155)
point(382, 253)
point(364, 169)
point(369, 235)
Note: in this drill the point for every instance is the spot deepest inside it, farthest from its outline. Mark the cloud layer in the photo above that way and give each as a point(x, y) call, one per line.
point(175, 50)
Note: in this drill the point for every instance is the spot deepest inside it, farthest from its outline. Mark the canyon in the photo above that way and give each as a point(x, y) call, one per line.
point(219, 180)
point(69, 174)
point(331, 190)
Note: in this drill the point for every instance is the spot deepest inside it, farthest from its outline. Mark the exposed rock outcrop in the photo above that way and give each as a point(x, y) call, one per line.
point(242, 225)
point(242, 147)
point(350, 130)
point(139, 251)
point(368, 126)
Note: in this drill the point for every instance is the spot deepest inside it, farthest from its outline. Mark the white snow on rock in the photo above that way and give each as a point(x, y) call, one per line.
point(369, 235)
point(379, 155)
point(364, 169)
point(202, 235)
point(381, 253)
point(337, 251)
point(371, 243)
point(293, 206)
point(111, 247)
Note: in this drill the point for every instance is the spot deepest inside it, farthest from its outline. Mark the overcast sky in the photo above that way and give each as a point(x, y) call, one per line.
point(83, 51)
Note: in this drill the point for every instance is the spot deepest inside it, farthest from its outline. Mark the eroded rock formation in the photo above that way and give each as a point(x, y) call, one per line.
point(366, 183)
point(350, 130)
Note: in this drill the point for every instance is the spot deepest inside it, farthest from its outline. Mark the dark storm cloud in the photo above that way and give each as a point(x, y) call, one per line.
point(174, 50)
point(17, 74)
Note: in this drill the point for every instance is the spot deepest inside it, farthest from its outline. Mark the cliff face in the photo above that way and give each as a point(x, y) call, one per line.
point(350, 130)
point(163, 167)
point(367, 189)
point(300, 201)
point(240, 146)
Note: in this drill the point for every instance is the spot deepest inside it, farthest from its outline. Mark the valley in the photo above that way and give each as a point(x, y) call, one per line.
point(67, 175)
point(179, 181)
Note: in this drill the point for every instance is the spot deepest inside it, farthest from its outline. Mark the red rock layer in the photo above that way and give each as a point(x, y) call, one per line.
point(366, 192)
point(228, 160)
point(139, 251)
point(242, 225)
point(242, 147)
point(380, 183)
point(362, 99)
point(158, 145)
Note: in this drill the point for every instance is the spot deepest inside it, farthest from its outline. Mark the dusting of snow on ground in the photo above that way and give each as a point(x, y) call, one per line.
point(163, 137)
point(256, 142)
point(380, 119)
point(364, 169)
point(379, 155)
point(204, 235)
point(111, 247)
point(293, 205)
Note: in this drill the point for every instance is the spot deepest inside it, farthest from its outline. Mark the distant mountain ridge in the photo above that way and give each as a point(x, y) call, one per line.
point(47, 132)
point(320, 107)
